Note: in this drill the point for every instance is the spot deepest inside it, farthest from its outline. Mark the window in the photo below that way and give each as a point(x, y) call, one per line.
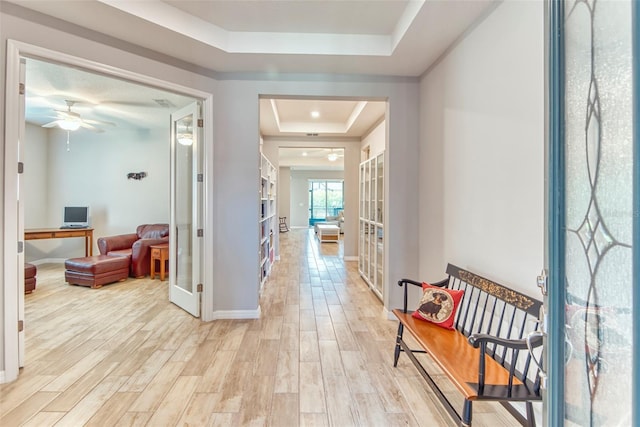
point(326, 198)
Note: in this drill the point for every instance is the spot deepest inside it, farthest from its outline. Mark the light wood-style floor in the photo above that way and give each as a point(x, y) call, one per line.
point(320, 355)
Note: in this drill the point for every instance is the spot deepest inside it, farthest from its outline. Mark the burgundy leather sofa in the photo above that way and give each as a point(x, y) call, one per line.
point(136, 246)
point(30, 272)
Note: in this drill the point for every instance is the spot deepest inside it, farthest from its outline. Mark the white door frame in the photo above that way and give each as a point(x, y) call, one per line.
point(16, 50)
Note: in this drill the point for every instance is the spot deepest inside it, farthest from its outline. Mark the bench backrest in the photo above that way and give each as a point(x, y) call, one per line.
point(491, 308)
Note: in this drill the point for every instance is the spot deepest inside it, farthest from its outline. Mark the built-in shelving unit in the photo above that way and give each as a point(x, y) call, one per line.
point(371, 224)
point(268, 221)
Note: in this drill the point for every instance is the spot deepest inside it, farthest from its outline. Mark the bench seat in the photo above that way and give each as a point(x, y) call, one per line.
point(451, 351)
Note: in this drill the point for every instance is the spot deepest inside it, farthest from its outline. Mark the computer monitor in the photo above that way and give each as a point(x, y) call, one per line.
point(75, 217)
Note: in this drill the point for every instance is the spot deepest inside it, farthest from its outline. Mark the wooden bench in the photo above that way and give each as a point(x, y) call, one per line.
point(487, 355)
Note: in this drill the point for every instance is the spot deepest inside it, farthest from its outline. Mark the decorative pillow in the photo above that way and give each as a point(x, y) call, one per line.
point(438, 305)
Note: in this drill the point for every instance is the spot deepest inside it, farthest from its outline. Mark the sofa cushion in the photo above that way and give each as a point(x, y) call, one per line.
point(152, 231)
point(30, 270)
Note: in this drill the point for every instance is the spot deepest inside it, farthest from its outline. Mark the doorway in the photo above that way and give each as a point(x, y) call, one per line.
point(16, 53)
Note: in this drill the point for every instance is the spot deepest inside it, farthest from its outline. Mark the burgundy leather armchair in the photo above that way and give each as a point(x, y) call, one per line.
point(136, 246)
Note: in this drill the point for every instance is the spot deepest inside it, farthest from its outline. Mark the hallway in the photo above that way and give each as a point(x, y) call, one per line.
point(321, 354)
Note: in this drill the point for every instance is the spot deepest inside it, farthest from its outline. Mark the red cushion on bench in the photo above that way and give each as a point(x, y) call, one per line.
point(438, 305)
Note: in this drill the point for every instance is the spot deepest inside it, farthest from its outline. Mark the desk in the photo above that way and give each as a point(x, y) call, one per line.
point(159, 253)
point(62, 233)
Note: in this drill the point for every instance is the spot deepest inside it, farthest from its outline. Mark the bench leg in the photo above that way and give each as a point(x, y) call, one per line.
point(531, 417)
point(396, 354)
point(466, 414)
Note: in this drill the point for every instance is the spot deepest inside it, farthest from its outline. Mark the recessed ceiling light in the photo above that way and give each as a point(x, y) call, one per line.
point(304, 153)
point(315, 114)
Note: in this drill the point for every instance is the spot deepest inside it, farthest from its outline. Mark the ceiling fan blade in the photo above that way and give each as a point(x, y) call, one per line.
point(99, 122)
point(67, 114)
point(91, 127)
point(50, 124)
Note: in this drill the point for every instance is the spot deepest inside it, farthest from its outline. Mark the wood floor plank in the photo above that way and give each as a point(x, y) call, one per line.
point(76, 392)
point(311, 388)
point(309, 350)
point(266, 361)
point(256, 401)
point(27, 409)
point(43, 419)
point(159, 386)
point(331, 359)
point(112, 410)
point(175, 402)
point(91, 403)
point(341, 409)
point(147, 371)
point(284, 410)
point(200, 410)
point(287, 378)
point(214, 376)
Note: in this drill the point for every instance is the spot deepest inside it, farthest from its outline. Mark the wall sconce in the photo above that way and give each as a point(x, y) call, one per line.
point(136, 175)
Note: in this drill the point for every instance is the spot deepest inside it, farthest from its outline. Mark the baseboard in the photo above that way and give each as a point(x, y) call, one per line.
point(278, 258)
point(236, 314)
point(48, 261)
point(350, 258)
point(1, 377)
point(388, 314)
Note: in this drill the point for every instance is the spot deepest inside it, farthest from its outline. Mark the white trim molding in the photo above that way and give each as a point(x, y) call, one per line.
point(237, 314)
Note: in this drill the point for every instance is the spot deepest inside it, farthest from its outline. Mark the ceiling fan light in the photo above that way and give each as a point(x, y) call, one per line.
point(185, 139)
point(332, 157)
point(69, 125)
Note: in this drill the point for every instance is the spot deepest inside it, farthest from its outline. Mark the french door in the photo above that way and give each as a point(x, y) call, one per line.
point(594, 219)
point(185, 237)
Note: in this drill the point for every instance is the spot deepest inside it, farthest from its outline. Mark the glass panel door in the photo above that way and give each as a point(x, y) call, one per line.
point(592, 188)
point(186, 202)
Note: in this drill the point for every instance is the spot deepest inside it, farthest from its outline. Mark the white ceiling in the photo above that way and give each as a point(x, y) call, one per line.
point(375, 37)
point(382, 37)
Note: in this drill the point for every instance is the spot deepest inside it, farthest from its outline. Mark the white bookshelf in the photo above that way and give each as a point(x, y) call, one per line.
point(371, 224)
point(268, 222)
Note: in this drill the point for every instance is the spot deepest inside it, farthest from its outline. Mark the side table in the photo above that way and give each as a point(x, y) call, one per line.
point(159, 253)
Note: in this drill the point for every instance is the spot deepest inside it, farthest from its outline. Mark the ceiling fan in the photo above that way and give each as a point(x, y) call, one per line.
point(334, 154)
point(70, 120)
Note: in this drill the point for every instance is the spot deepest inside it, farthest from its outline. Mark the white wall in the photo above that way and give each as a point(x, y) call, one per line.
point(35, 176)
point(94, 173)
point(375, 140)
point(300, 193)
point(481, 202)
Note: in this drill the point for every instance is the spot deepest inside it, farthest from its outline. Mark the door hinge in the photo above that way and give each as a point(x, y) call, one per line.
point(543, 282)
point(20, 246)
point(200, 177)
point(20, 167)
point(200, 232)
point(200, 123)
point(20, 325)
point(21, 89)
point(199, 287)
